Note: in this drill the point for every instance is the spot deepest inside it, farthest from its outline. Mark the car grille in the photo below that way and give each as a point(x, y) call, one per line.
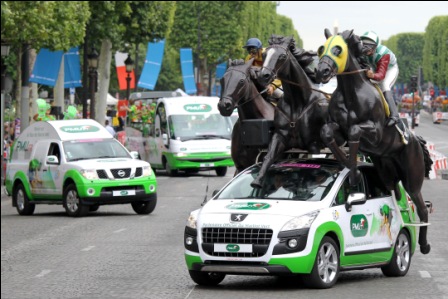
point(259, 238)
point(102, 174)
point(125, 171)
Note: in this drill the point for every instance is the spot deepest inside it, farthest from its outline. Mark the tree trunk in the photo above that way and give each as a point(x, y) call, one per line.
point(103, 80)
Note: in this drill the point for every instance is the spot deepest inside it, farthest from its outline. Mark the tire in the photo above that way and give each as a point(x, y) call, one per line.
point(94, 208)
point(401, 258)
point(221, 171)
point(206, 278)
point(72, 202)
point(23, 205)
point(169, 170)
point(326, 267)
point(145, 207)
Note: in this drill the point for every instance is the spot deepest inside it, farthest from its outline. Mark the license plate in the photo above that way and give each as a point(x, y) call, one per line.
point(232, 247)
point(123, 193)
point(207, 164)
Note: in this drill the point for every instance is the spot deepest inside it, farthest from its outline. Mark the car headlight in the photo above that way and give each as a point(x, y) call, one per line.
point(89, 174)
point(147, 171)
point(192, 219)
point(303, 221)
point(181, 154)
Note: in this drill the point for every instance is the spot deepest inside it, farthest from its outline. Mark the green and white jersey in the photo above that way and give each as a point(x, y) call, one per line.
point(379, 53)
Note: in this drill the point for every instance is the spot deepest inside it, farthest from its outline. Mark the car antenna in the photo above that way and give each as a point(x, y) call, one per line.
point(206, 192)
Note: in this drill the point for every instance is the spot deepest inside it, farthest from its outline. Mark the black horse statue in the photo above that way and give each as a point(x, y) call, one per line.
point(301, 113)
point(357, 115)
point(239, 91)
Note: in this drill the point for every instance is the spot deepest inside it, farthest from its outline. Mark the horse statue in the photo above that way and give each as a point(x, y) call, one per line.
point(301, 113)
point(357, 115)
point(239, 91)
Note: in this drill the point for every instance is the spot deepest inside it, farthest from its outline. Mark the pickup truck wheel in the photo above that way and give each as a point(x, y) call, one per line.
point(401, 259)
point(144, 207)
point(326, 269)
point(169, 170)
point(24, 207)
point(72, 202)
point(221, 171)
point(206, 278)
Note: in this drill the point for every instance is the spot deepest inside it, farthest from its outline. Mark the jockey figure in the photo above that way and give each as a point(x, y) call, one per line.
point(384, 69)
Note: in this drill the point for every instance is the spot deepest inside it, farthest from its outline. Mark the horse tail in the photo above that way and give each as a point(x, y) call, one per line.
point(426, 156)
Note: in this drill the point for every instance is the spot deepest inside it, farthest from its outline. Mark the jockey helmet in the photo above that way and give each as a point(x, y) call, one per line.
point(253, 42)
point(370, 37)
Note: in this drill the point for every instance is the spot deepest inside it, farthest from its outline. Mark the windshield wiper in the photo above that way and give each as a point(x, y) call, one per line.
point(208, 136)
point(78, 159)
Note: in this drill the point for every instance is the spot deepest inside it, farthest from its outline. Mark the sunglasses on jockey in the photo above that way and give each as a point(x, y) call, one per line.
point(252, 50)
point(367, 47)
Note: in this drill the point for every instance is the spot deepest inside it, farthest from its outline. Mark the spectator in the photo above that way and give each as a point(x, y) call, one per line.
point(109, 128)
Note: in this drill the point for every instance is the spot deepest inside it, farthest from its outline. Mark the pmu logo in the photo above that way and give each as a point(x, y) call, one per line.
point(198, 108)
point(79, 129)
point(232, 248)
point(359, 225)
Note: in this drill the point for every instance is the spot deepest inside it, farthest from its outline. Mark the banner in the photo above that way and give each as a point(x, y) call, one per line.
point(72, 69)
point(121, 71)
point(46, 68)
point(153, 64)
point(186, 64)
point(220, 71)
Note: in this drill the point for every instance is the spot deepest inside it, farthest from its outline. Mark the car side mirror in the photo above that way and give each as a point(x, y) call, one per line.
point(165, 139)
point(354, 199)
point(135, 155)
point(52, 160)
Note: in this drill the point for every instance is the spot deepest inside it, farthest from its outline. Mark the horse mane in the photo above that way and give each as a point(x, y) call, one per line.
point(279, 40)
point(236, 62)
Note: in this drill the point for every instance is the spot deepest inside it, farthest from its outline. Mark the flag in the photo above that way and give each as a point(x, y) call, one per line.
point(220, 71)
point(72, 69)
point(186, 64)
point(153, 64)
point(121, 71)
point(46, 68)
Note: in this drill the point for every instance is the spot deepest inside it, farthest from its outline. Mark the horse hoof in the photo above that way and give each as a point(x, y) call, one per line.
point(425, 249)
point(255, 185)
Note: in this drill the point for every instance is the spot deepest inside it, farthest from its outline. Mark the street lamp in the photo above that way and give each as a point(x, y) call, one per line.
point(129, 68)
point(92, 59)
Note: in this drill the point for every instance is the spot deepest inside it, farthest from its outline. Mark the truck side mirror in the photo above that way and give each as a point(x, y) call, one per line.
point(165, 139)
point(52, 160)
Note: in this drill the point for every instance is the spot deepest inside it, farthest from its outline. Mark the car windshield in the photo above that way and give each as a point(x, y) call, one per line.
point(292, 180)
point(94, 149)
point(201, 126)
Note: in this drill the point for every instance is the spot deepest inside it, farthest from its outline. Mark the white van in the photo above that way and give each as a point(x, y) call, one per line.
point(187, 134)
point(76, 163)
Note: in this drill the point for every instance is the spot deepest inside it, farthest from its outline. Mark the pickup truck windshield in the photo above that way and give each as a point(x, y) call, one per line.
point(98, 149)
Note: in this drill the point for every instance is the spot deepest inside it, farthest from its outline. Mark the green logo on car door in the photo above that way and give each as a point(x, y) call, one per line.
point(124, 192)
point(198, 108)
point(359, 225)
point(232, 248)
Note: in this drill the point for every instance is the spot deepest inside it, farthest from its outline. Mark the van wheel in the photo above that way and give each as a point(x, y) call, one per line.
point(325, 271)
point(206, 278)
point(145, 207)
point(401, 259)
point(221, 171)
point(169, 170)
point(72, 202)
point(23, 205)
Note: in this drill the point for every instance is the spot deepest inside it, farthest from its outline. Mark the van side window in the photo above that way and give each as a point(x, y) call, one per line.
point(55, 151)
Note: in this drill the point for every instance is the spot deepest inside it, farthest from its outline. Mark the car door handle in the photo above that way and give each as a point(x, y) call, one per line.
point(44, 169)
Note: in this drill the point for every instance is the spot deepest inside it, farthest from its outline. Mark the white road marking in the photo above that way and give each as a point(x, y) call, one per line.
point(88, 248)
point(43, 273)
point(424, 274)
point(189, 293)
point(120, 230)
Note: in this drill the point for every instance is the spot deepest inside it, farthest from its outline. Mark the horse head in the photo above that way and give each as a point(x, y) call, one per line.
point(235, 85)
point(275, 57)
point(339, 54)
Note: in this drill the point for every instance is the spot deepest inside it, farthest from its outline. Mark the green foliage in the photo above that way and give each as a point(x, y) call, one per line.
point(51, 24)
point(435, 52)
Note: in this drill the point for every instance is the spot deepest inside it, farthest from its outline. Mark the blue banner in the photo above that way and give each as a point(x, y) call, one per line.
point(220, 71)
point(72, 69)
point(46, 67)
point(186, 65)
point(153, 64)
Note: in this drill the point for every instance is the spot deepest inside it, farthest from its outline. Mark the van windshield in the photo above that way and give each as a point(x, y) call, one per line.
point(201, 126)
point(94, 149)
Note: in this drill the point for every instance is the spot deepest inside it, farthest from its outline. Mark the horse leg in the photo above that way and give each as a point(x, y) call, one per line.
point(275, 149)
point(328, 137)
point(354, 135)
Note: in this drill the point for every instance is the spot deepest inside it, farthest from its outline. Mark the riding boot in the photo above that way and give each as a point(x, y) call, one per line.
point(393, 117)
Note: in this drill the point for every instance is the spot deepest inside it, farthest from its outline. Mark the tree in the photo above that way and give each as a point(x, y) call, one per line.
point(435, 52)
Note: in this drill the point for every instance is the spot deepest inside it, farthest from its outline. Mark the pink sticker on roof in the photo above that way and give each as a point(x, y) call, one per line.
point(301, 165)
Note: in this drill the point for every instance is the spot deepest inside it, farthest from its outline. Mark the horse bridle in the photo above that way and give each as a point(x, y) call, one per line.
point(247, 81)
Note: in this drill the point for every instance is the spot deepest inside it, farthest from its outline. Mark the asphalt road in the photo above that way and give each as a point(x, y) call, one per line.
point(115, 253)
